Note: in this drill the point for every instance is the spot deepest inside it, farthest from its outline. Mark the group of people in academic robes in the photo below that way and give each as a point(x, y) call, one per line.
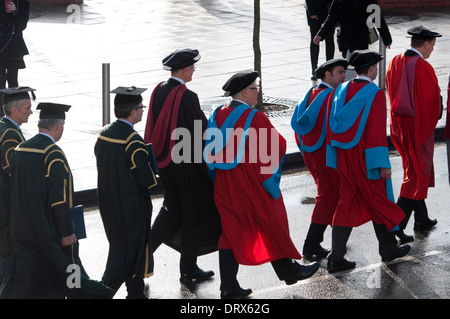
point(39, 255)
point(226, 197)
point(340, 129)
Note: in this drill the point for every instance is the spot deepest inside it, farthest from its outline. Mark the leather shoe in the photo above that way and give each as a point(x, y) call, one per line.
point(399, 252)
point(425, 225)
point(316, 254)
point(235, 294)
point(341, 265)
point(199, 274)
point(403, 237)
point(302, 272)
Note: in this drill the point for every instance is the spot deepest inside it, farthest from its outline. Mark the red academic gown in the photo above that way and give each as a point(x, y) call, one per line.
point(413, 136)
point(254, 223)
point(363, 197)
point(326, 178)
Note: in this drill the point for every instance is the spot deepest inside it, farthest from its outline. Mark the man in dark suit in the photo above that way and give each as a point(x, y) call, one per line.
point(353, 34)
point(316, 13)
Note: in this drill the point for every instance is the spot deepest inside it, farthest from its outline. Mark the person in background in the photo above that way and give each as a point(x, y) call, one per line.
point(416, 107)
point(351, 17)
point(309, 125)
point(14, 15)
point(316, 13)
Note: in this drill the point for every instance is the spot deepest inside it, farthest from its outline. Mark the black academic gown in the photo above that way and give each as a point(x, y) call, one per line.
point(42, 195)
point(10, 137)
point(188, 221)
point(124, 180)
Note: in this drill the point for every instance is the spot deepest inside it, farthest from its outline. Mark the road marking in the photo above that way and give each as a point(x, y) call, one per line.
point(382, 265)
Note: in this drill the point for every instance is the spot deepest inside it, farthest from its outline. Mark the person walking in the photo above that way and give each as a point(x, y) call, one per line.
point(14, 15)
point(316, 13)
point(45, 262)
point(416, 107)
point(188, 220)
point(255, 228)
point(309, 124)
point(351, 16)
point(17, 107)
point(357, 149)
point(124, 180)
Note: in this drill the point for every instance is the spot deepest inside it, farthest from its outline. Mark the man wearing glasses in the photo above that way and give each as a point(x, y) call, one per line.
point(124, 180)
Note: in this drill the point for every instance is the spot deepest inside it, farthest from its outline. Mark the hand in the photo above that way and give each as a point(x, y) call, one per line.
point(10, 7)
point(69, 240)
point(385, 173)
point(317, 39)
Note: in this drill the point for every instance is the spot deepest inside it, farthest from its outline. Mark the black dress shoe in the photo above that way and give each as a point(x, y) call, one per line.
point(342, 265)
point(316, 254)
point(403, 237)
point(197, 275)
point(399, 252)
point(425, 224)
point(235, 294)
point(302, 272)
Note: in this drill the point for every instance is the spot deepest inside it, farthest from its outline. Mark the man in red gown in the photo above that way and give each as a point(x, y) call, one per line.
point(244, 153)
point(309, 125)
point(415, 108)
point(357, 149)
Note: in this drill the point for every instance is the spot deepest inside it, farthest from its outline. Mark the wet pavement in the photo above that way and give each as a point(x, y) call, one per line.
point(423, 274)
point(69, 44)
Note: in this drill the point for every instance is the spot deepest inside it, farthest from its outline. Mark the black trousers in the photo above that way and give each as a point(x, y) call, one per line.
point(340, 235)
point(229, 269)
point(408, 206)
point(315, 49)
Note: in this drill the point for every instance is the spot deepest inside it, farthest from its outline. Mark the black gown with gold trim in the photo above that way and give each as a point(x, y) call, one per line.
point(42, 190)
point(124, 180)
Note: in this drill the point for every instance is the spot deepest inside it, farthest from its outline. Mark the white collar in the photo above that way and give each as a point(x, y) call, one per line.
point(13, 122)
point(125, 121)
point(363, 77)
point(326, 84)
point(178, 79)
point(420, 54)
point(42, 133)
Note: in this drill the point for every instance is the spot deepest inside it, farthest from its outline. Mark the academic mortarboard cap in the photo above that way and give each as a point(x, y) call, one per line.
point(127, 96)
point(180, 59)
point(238, 82)
point(328, 65)
point(364, 58)
point(17, 93)
point(420, 32)
point(52, 110)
